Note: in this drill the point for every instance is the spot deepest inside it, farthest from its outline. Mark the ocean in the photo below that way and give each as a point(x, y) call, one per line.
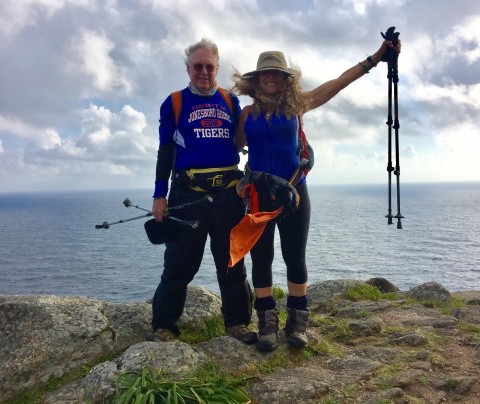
point(49, 243)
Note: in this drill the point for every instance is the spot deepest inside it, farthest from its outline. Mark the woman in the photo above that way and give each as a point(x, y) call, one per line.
point(270, 128)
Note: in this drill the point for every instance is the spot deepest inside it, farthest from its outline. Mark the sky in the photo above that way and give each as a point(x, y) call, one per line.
point(82, 81)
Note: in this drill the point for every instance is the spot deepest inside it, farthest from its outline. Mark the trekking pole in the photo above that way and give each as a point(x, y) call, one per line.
point(106, 225)
point(207, 198)
point(389, 122)
point(396, 126)
point(191, 224)
point(391, 56)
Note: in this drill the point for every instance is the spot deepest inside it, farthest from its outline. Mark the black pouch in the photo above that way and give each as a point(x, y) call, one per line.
point(161, 232)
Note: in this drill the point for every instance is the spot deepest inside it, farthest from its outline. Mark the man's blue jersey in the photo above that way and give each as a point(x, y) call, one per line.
point(205, 134)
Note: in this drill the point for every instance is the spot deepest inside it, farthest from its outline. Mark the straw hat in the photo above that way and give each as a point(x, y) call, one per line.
point(271, 60)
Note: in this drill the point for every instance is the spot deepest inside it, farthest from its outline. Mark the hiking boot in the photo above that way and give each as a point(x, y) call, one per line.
point(160, 335)
point(296, 326)
point(267, 330)
point(242, 333)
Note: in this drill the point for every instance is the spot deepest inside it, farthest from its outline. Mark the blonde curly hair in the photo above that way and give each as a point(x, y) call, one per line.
point(290, 101)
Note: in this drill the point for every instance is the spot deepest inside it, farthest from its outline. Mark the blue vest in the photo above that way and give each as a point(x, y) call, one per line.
point(272, 145)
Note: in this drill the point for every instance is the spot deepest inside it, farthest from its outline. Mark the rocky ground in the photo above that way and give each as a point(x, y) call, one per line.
point(396, 347)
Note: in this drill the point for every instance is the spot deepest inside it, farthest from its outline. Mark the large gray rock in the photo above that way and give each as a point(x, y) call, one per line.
point(201, 304)
point(47, 336)
point(174, 358)
point(325, 291)
point(430, 291)
point(355, 368)
point(43, 337)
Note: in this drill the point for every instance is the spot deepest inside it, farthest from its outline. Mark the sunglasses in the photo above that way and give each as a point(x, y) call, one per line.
point(198, 67)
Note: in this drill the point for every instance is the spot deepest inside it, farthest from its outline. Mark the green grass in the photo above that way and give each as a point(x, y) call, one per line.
point(423, 380)
point(209, 385)
point(278, 293)
point(322, 347)
point(340, 331)
point(363, 292)
point(451, 384)
point(347, 394)
point(213, 327)
point(330, 399)
point(274, 360)
point(446, 308)
point(468, 327)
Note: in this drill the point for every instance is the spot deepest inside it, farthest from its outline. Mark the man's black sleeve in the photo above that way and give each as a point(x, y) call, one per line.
point(165, 158)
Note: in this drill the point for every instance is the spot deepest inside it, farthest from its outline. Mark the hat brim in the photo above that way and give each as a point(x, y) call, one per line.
point(288, 71)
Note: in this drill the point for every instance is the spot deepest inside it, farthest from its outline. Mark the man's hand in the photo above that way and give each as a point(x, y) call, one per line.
point(160, 205)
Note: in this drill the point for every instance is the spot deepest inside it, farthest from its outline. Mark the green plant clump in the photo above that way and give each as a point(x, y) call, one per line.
point(451, 384)
point(154, 387)
point(278, 293)
point(213, 327)
point(363, 292)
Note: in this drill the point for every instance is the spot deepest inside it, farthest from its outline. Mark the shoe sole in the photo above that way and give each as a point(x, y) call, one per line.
point(298, 344)
point(152, 337)
point(266, 348)
point(247, 338)
point(248, 341)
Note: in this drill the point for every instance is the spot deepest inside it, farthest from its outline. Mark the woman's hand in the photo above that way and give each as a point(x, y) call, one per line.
point(378, 56)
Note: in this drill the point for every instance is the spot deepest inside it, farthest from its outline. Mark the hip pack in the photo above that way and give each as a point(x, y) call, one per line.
point(264, 192)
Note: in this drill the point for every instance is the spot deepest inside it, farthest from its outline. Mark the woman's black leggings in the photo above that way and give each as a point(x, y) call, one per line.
point(293, 232)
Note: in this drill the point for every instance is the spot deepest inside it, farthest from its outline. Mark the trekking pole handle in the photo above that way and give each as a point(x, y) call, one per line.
point(127, 202)
point(392, 36)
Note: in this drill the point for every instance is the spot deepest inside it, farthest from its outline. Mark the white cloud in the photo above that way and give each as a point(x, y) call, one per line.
point(44, 138)
point(118, 134)
point(82, 82)
point(464, 40)
point(458, 150)
point(90, 54)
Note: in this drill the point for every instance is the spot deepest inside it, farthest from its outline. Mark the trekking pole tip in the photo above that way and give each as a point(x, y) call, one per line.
point(104, 225)
point(399, 218)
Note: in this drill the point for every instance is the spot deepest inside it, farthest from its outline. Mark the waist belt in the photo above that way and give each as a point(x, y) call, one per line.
point(210, 179)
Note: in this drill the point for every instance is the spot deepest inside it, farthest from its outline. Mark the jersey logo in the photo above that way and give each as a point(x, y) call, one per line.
point(177, 104)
